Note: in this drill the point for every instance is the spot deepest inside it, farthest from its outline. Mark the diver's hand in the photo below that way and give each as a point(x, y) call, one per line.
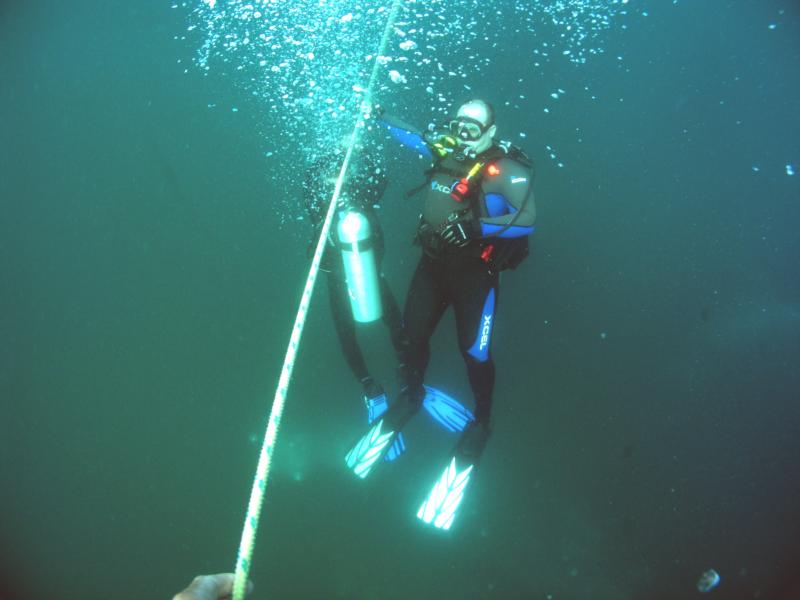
point(210, 587)
point(441, 142)
point(460, 231)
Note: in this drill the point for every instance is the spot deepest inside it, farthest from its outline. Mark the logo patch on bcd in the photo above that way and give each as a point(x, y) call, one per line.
point(440, 188)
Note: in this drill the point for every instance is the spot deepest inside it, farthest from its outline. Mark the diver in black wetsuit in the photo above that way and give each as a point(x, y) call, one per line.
point(365, 184)
point(478, 211)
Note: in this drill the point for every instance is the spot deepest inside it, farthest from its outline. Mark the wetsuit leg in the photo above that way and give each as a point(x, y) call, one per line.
point(392, 317)
point(345, 325)
point(475, 290)
point(425, 305)
point(393, 320)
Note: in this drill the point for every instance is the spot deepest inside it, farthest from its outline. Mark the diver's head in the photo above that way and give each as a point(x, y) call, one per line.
point(473, 125)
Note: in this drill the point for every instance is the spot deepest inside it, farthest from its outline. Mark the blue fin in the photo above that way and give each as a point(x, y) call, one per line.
point(397, 448)
point(446, 411)
point(370, 448)
point(375, 408)
point(383, 433)
point(440, 507)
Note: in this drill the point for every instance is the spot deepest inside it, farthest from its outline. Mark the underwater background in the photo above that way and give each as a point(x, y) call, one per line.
point(646, 423)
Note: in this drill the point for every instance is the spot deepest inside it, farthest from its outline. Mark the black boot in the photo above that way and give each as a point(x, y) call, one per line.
point(410, 381)
point(472, 442)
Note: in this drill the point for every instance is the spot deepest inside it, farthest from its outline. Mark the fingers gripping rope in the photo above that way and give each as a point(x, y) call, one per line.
point(247, 543)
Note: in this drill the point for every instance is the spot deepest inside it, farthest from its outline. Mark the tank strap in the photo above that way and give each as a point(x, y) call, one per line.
point(360, 246)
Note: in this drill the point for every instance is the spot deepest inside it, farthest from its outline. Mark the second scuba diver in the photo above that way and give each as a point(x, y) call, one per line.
point(360, 195)
point(478, 211)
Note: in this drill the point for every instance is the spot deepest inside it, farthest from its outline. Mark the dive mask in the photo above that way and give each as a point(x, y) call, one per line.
point(467, 129)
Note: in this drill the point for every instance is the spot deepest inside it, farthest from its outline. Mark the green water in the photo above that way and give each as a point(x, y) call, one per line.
point(646, 423)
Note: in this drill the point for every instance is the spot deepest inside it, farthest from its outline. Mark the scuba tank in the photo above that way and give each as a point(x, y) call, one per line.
point(360, 267)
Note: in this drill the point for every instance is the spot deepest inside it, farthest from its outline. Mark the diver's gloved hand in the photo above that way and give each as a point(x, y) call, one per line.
point(460, 230)
point(441, 143)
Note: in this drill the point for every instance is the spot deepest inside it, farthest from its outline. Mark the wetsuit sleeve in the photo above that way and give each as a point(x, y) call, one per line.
point(408, 136)
point(509, 201)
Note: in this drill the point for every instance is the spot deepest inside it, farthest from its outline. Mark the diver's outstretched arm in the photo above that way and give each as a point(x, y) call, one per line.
point(408, 135)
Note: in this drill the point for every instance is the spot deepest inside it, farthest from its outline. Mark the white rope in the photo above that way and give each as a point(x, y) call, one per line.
point(247, 543)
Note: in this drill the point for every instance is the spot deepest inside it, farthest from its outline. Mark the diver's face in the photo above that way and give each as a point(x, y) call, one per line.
point(472, 127)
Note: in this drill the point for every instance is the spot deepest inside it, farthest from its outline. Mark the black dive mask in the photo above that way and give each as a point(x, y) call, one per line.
point(467, 129)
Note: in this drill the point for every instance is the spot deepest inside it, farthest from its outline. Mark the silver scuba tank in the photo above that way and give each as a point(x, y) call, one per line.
point(360, 265)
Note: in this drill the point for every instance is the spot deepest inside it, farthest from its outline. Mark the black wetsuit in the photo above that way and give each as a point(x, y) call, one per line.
point(500, 202)
point(362, 189)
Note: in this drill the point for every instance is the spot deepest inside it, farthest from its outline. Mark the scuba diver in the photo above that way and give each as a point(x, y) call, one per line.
point(478, 211)
point(361, 194)
point(357, 289)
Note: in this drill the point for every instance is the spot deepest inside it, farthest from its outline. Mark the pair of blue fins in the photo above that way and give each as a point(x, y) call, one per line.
point(384, 441)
